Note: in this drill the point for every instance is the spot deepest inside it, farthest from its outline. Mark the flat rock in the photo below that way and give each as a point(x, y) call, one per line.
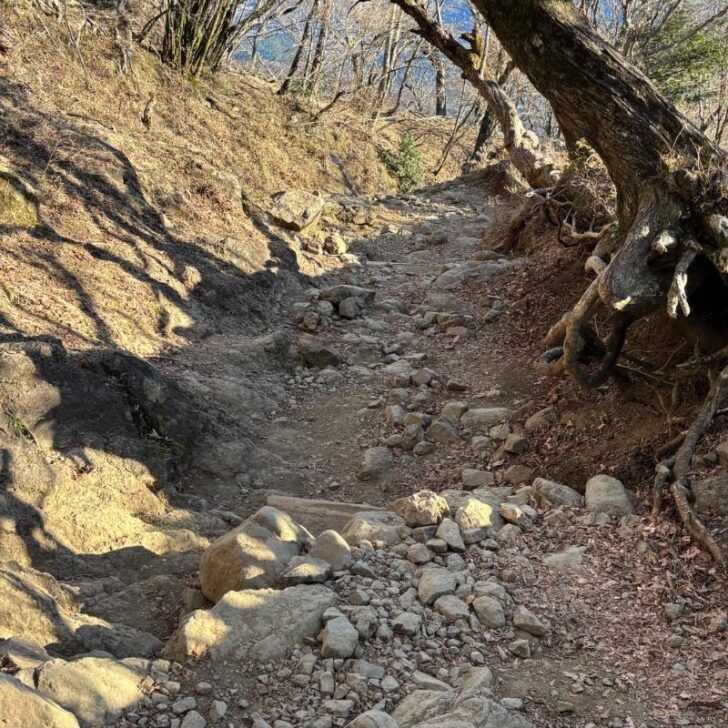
point(557, 494)
point(484, 418)
point(337, 294)
point(23, 707)
point(477, 478)
point(373, 526)
point(435, 583)
point(566, 560)
point(94, 689)
point(527, 621)
point(373, 719)
point(241, 622)
point(452, 608)
point(306, 570)
point(605, 494)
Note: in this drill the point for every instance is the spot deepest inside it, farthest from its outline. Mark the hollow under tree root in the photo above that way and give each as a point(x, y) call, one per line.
point(678, 468)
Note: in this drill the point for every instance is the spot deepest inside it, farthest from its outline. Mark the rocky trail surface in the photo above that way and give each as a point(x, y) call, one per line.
point(409, 561)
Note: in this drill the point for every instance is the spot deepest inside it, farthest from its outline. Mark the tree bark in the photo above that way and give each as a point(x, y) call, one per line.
point(440, 90)
point(300, 50)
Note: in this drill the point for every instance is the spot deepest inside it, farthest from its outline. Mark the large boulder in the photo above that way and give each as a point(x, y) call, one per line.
point(264, 624)
point(296, 210)
point(94, 689)
point(605, 494)
point(33, 605)
point(252, 556)
point(23, 707)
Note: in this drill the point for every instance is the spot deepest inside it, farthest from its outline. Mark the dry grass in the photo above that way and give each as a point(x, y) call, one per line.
point(133, 216)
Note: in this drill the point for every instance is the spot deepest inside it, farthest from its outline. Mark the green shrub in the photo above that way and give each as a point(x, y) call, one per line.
point(405, 164)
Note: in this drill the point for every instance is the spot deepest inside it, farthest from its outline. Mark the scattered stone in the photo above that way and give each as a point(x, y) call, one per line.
point(474, 514)
point(453, 411)
point(517, 474)
point(339, 639)
point(296, 210)
point(509, 535)
point(419, 554)
point(711, 495)
point(435, 583)
point(316, 354)
point(449, 532)
point(443, 431)
point(477, 478)
point(423, 681)
point(407, 623)
point(423, 448)
point(479, 419)
point(306, 570)
point(557, 494)
point(515, 444)
point(513, 513)
point(373, 719)
point(566, 560)
point(520, 648)
point(422, 509)
point(376, 463)
point(527, 621)
point(605, 494)
point(490, 612)
point(337, 294)
point(452, 608)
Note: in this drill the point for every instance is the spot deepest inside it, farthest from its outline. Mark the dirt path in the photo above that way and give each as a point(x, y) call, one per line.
point(637, 632)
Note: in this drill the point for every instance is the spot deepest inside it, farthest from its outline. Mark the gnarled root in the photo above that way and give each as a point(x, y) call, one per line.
point(678, 469)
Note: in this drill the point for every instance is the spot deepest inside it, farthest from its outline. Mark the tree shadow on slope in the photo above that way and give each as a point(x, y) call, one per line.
point(69, 420)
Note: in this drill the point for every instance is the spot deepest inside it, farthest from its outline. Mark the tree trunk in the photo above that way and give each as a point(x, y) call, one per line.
point(672, 196)
point(318, 56)
point(488, 122)
point(528, 161)
point(300, 50)
point(654, 155)
point(440, 90)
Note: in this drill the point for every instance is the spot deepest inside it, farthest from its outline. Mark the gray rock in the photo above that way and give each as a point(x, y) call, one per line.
point(332, 548)
point(423, 681)
point(527, 621)
point(306, 570)
point(373, 526)
point(711, 495)
point(419, 554)
point(193, 720)
point(435, 583)
point(485, 418)
point(520, 648)
point(490, 612)
point(316, 354)
point(376, 463)
point(407, 623)
point(452, 608)
point(566, 560)
point(477, 478)
point(557, 494)
point(373, 719)
point(339, 639)
point(605, 494)
point(23, 707)
point(337, 294)
point(453, 411)
point(240, 624)
point(442, 431)
point(449, 532)
point(351, 308)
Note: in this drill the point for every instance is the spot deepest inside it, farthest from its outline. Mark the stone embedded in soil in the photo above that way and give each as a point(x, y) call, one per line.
point(711, 495)
point(517, 474)
point(376, 463)
point(451, 608)
point(515, 444)
point(240, 624)
point(605, 494)
point(477, 478)
point(557, 494)
point(316, 354)
point(490, 612)
point(373, 526)
point(337, 294)
point(442, 431)
point(566, 560)
point(407, 623)
point(373, 719)
point(485, 418)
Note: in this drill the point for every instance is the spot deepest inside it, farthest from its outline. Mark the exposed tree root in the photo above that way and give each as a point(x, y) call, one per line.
point(678, 469)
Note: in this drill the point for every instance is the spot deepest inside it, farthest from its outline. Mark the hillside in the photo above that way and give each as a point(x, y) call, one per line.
point(274, 449)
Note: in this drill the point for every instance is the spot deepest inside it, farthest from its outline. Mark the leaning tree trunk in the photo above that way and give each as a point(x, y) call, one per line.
point(672, 198)
point(527, 160)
